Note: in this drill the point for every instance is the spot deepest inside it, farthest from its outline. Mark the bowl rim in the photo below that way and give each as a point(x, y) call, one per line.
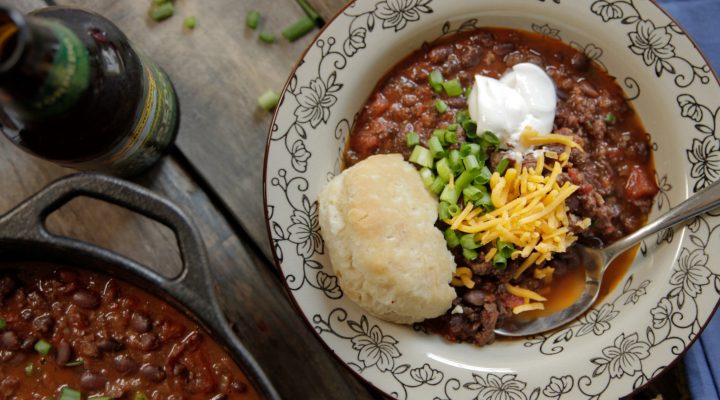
point(277, 263)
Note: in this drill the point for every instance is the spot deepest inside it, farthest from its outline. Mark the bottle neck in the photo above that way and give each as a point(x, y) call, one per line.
point(44, 67)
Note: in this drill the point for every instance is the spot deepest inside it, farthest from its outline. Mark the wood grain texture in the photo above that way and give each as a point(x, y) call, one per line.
point(250, 292)
point(219, 69)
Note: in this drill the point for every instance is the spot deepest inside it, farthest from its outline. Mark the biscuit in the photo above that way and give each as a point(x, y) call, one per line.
point(377, 220)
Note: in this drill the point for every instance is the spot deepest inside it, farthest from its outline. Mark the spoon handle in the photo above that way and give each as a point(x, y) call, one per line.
point(701, 202)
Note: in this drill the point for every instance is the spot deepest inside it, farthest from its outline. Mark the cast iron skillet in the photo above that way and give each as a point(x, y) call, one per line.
point(23, 237)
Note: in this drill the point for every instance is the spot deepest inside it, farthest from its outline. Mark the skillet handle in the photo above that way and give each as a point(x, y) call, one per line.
point(26, 222)
point(192, 288)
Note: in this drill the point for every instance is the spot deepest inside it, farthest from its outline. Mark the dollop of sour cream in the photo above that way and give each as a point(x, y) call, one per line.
point(524, 96)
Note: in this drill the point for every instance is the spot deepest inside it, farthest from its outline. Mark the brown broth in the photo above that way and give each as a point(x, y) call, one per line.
point(565, 289)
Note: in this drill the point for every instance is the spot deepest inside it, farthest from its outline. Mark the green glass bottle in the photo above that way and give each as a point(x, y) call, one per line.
point(74, 91)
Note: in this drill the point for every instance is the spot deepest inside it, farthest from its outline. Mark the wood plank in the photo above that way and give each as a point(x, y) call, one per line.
point(219, 69)
point(251, 294)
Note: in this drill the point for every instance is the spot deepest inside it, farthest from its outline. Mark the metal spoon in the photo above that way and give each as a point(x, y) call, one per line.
point(596, 262)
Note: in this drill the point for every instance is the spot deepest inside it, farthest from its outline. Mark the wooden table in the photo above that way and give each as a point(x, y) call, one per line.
point(215, 174)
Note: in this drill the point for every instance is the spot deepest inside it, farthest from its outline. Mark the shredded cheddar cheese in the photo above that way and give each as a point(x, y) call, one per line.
point(463, 277)
point(530, 213)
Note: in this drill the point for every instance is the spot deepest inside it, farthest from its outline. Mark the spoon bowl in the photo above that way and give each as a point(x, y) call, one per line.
point(596, 261)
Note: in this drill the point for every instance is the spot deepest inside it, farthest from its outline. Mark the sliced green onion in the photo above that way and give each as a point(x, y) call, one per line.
point(3, 323)
point(443, 210)
point(427, 176)
point(471, 162)
point(454, 210)
point(436, 80)
point(139, 396)
point(441, 106)
point(505, 248)
point(269, 100)
point(443, 169)
point(161, 2)
point(190, 22)
point(29, 369)
point(298, 29)
point(470, 254)
point(412, 139)
point(100, 398)
point(610, 118)
point(440, 134)
point(481, 155)
point(455, 160)
point(252, 19)
point(451, 238)
point(465, 178)
point(484, 201)
point(470, 148)
point(489, 138)
point(462, 116)
point(67, 393)
point(467, 241)
point(470, 128)
point(450, 137)
point(472, 193)
point(452, 127)
point(483, 177)
point(311, 13)
point(43, 347)
point(453, 88)
point(502, 166)
point(499, 261)
point(436, 147)
point(267, 37)
point(162, 11)
point(421, 156)
point(450, 195)
point(438, 185)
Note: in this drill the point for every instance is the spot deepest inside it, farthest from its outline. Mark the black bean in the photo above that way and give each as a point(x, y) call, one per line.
point(149, 341)
point(240, 387)
point(152, 372)
point(9, 341)
point(63, 353)
point(125, 364)
point(503, 48)
point(92, 381)
point(588, 89)
point(28, 343)
point(475, 297)
point(580, 62)
point(140, 322)
point(86, 299)
point(110, 345)
point(180, 370)
point(43, 324)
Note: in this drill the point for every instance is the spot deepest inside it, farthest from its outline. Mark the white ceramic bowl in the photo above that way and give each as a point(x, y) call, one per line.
point(643, 325)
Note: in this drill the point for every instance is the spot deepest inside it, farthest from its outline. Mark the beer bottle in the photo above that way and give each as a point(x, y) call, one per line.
point(74, 91)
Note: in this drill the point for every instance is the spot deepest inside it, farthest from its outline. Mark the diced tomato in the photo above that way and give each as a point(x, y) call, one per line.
point(510, 300)
point(640, 184)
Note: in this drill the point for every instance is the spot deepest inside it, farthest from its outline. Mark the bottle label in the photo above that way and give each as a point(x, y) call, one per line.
point(68, 76)
point(153, 132)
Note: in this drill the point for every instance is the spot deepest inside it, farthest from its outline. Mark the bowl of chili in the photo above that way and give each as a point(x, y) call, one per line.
point(632, 89)
point(78, 321)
